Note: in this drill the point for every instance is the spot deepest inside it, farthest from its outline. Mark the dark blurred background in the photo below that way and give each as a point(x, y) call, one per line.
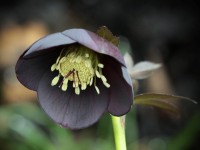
point(165, 32)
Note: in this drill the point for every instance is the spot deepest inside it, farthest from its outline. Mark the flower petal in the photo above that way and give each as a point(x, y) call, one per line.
point(71, 110)
point(95, 42)
point(121, 92)
point(144, 69)
point(52, 40)
point(128, 61)
point(29, 71)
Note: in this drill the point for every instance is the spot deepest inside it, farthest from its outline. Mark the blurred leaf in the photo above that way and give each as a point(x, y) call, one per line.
point(187, 136)
point(25, 122)
point(24, 126)
point(105, 33)
point(162, 101)
point(144, 69)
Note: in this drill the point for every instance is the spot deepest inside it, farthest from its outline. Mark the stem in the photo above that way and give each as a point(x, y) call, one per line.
point(119, 132)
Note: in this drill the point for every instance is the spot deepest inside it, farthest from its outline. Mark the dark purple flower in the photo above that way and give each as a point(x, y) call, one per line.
point(78, 76)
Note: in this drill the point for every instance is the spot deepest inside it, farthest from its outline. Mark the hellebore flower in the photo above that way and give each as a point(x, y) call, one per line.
point(78, 75)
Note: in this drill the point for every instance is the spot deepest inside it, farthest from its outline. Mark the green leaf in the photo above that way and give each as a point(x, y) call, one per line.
point(162, 101)
point(105, 33)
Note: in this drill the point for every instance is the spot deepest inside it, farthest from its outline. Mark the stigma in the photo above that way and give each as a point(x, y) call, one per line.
point(80, 66)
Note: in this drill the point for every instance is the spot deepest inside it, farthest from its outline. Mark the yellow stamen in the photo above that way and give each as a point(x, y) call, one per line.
point(77, 90)
point(64, 87)
point(91, 81)
point(65, 81)
point(79, 65)
point(87, 55)
point(103, 78)
point(53, 67)
point(55, 80)
point(98, 74)
point(106, 84)
point(97, 89)
point(100, 65)
point(83, 86)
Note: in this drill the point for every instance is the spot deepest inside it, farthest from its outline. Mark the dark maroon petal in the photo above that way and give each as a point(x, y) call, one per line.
point(52, 40)
point(29, 71)
point(121, 92)
point(68, 109)
point(95, 42)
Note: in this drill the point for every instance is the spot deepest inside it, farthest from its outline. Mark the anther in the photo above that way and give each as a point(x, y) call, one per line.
point(91, 81)
point(100, 65)
point(106, 84)
point(103, 78)
point(98, 74)
point(64, 87)
point(77, 90)
point(83, 86)
point(53, 67)
point(55, 80)
point(97, 89)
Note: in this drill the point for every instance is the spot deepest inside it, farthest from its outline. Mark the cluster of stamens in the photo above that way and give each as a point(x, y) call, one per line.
point(79, 65)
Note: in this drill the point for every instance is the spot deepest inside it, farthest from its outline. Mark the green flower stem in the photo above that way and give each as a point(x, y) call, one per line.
point(119, 132)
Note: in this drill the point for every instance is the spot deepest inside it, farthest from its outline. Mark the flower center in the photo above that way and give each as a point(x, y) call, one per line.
point(79, 65)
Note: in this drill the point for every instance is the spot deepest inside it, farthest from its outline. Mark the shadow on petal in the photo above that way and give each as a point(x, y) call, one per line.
point(71, 110)
point(121, 92)
point(95, 42)
point(30, 71)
